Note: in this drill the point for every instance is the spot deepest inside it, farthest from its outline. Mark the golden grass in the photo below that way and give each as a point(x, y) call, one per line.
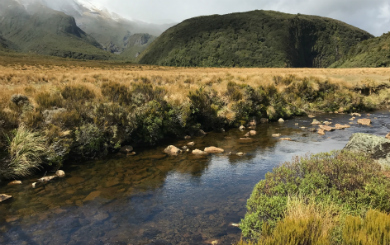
point(21, 76)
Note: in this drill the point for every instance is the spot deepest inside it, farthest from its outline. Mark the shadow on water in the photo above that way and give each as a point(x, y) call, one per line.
point(151, 198)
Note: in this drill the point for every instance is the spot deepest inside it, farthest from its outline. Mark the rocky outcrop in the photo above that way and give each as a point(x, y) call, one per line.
point(213, 149)
point(377, 147)
point(365, 122)
point(172, 150)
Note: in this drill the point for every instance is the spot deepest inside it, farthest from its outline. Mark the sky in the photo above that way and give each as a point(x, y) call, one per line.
point(370, 15)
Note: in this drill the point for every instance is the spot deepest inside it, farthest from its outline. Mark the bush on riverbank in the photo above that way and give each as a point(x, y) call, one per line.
point(92, 119)
point(320, 199)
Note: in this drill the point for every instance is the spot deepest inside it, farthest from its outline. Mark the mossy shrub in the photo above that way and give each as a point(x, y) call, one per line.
point(350, 180)
point(68, 119)
point(144, 92)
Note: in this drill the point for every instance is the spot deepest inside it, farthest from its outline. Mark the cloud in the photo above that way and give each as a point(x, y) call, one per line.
point(370, 15)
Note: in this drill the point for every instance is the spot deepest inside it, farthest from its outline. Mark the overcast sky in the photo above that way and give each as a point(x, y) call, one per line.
point(370, 15)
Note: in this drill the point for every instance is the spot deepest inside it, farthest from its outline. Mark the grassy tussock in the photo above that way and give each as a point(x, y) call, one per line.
point(26, 150)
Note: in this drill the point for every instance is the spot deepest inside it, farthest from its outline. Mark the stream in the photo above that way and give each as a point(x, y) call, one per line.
point(151, 198)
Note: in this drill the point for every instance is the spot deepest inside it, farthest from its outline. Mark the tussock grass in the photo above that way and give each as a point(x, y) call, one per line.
point(26, 149)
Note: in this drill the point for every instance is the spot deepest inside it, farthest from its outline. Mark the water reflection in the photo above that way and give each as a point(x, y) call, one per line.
point(151, 198)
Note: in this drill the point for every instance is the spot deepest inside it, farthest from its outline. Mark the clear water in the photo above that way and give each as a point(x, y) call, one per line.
point(151, 198)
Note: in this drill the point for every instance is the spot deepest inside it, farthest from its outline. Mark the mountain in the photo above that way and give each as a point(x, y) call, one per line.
point(374, 52)
point(39, 29)
point(110, 30)
point(254, 39)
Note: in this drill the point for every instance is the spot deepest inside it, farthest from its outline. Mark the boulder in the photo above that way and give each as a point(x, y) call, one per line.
point(213, 149)
point(15, 182)
point(365, 121)
point(356, 115)
point(321, 131)
point(387, 136)
point(184, 148)
point(126, 149)
point(281, 120)
point(252, 132)
point(316, 122)
point(60, 173)
point(191, 143)
point(326, 128)
point(311, 116)
point(340, 126)
point(264, 120)
point(4, 197)
point(187, 137)
point(33, 185)
point(377, 147)
point(199, 152)
point(240, 154)
point(242, 128)
point(276, 135)
point(172, 150)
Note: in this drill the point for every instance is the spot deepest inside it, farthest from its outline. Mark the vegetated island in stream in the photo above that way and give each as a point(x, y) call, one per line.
point(55, 112)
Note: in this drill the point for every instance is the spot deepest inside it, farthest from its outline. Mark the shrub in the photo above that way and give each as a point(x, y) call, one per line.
point(67, 119)
point(352, 181)
point(77, 93)
point(142, 93)
point(90, 141)
point(26, 151)
point(116, 92)
point(19, 99)
point(47, 100)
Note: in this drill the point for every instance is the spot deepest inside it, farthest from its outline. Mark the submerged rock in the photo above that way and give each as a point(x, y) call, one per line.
point(240, 154)
point(15, 182)
point(4, 197)
point(213, 149)
point(172, 150)
point(316, 122)
point(377, 147)
point(340, 126)
point(126, 149)
point(365, 121)
point(187, 137)
point(252, 132)
point(199, 152)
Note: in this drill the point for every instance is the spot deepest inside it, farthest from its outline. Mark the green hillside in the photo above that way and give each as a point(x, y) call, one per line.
point(135, 45)
point(45, 31)
point(254, 39)
point(374, 52)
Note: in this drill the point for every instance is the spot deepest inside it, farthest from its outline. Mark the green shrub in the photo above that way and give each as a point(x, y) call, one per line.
point(350, 180)
point(90, 141)
point(67, 119)
point(142, 93)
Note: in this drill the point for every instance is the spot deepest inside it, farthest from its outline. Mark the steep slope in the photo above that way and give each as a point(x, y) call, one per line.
point(109, 29)
point(36, 28)
point(374, 52)
point(135, 45)
point(254, 39)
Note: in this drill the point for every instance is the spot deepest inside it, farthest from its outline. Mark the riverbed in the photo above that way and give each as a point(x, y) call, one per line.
point(152, 198)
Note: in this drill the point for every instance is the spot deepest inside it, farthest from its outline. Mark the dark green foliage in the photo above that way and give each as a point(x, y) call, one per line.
point(90, 141)
point(254, 39)
point(205, 105)
point(374, 52)
point(77, 93)
point(350, 180)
